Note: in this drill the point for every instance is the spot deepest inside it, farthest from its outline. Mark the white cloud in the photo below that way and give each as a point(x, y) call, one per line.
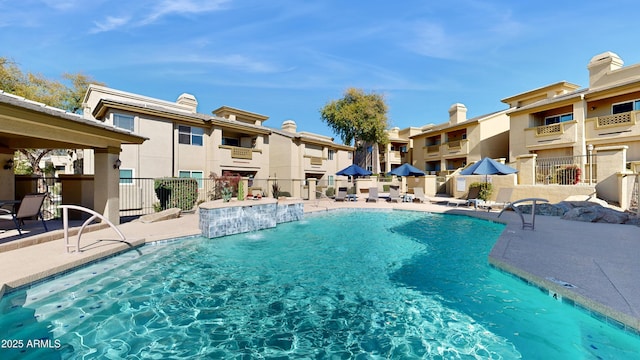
point(168, 7)
point(110, 23)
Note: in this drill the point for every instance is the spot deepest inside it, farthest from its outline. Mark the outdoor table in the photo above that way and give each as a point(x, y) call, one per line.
point(352, 197)
point(407, 198)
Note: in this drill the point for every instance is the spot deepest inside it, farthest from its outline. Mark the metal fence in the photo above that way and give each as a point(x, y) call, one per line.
point(50, 186)
point(566, 170)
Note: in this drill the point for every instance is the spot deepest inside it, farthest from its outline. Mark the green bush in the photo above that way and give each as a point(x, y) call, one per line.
point(385, 188)
point(176, 193)
point(330, 191)
point(486, 189)
point(240, 191)
point(284, 193)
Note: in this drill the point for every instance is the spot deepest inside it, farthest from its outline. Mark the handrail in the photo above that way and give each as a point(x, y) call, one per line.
point(65, 222)
point(525, 224)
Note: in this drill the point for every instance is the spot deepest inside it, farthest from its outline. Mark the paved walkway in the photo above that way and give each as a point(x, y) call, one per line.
point(592, 265)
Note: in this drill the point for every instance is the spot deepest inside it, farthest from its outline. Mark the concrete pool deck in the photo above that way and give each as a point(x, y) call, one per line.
point(593, 266)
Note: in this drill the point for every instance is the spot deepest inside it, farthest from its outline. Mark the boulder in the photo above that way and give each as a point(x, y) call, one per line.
point(172, 213)
point(596, 214)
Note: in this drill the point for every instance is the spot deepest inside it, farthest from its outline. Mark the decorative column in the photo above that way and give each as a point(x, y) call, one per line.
point(106, 192)
point(312, 188)
point(526, 165)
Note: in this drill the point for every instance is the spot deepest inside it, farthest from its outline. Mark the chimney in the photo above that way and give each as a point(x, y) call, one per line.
point(289, 126)
point(601, 65)
point(457, 113)
point(189, 101)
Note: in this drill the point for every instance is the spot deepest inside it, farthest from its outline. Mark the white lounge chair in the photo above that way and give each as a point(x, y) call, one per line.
point(418, 194)
point(394, 194)
point(503, 199)
point(373, 194)
point(342, 194)
point(472, 198)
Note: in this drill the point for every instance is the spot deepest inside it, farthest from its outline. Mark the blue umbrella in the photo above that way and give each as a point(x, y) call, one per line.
point(354, 170)
point(406, 170)
point(488, 166)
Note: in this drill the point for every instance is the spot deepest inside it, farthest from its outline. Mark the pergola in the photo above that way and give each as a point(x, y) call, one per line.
point(25, 124)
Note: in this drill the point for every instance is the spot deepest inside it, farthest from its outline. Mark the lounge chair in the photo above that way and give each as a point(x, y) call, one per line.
point(394, 194)
point(418, 194)
point(342, 194)
point(503, 199)
point(373, 194)
point(30, 207)
point(472, 198)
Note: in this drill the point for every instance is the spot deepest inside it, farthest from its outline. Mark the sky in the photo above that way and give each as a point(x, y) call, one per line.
point(286, 59)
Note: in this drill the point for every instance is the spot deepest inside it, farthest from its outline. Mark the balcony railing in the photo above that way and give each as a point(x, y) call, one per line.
point(553, 129)
point(241, 153)
point(456, 144)
point(315, 160)
point(433, 148)
point(615, 119)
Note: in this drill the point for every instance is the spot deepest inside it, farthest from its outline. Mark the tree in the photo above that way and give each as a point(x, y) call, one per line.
point(357, 117)
point(36, 87)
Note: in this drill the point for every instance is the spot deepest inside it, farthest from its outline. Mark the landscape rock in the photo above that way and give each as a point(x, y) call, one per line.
point(172, 213)
point(586, 211)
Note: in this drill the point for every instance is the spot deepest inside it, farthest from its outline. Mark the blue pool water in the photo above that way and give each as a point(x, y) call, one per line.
point(361, 285)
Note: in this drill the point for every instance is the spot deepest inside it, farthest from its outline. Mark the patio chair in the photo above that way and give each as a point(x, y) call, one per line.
point(29, 207)
point(394, 194)
point(342, 194)
point(418, 194)
point(472, 198)
point(373, 194)
point(503, 199)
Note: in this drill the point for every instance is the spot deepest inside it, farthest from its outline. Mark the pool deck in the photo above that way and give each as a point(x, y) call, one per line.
point(588, 265)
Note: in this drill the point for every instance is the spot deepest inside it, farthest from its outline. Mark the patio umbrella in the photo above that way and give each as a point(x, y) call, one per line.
point(406, 170)
point(354, 170)
point(488, 166)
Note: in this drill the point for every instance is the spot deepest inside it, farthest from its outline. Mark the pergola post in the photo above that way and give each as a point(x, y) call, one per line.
point(106, 191)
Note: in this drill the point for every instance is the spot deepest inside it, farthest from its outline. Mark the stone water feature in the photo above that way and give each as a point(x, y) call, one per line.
point(219, 218)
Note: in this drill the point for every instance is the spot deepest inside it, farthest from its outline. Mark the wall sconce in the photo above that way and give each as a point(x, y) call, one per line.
point(9, 164)
point(593, 108)
point(116, 165)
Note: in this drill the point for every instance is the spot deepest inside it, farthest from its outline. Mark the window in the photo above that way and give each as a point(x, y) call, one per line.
point(558, 118)
point(330, 183)
point(126, 176)
point(230, 141)
point(192, 174)
point(330, 155)
point(190, 135)
point(625, 107)
point(123, 121)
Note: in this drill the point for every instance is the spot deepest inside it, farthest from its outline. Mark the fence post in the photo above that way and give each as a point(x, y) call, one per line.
point(526, 165)
point(312, 188)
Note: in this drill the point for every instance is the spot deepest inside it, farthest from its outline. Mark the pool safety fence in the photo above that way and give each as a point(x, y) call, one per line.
point(567, 170)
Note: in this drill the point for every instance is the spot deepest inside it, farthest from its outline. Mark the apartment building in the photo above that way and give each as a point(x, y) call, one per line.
point(562, 119)
point(182, 142)
point(399, 149)
point(460, 141)
point(303, 155)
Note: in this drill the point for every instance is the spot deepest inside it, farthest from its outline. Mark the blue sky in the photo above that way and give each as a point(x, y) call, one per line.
point(286, 59)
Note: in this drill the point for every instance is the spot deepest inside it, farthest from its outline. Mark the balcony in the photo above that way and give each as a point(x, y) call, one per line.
point(432, 151)
point(562, 134)
point(611, 127)
point(314, 160)
point(456, 147)
point(242, 156)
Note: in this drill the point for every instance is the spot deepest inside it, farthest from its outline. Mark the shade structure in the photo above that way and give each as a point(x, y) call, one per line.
point(488, 166)
point(406, 170)
point(354, 170)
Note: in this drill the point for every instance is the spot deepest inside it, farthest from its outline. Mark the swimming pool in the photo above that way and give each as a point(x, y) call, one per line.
point(344, 284)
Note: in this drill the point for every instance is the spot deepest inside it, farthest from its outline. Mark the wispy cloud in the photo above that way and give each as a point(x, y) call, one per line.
point(183, 7)
point(109, 24)
point(143, 15)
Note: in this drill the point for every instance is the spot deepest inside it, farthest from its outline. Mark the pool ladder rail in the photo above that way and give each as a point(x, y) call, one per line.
point(95, 215)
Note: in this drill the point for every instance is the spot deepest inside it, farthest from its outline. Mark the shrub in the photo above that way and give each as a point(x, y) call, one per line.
point(330, 191)
point(275, 190)
point(176, 193)
point(227, 180)
point(486, 188)
point(569, 175)
point(240, 191)
point(284, 193)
